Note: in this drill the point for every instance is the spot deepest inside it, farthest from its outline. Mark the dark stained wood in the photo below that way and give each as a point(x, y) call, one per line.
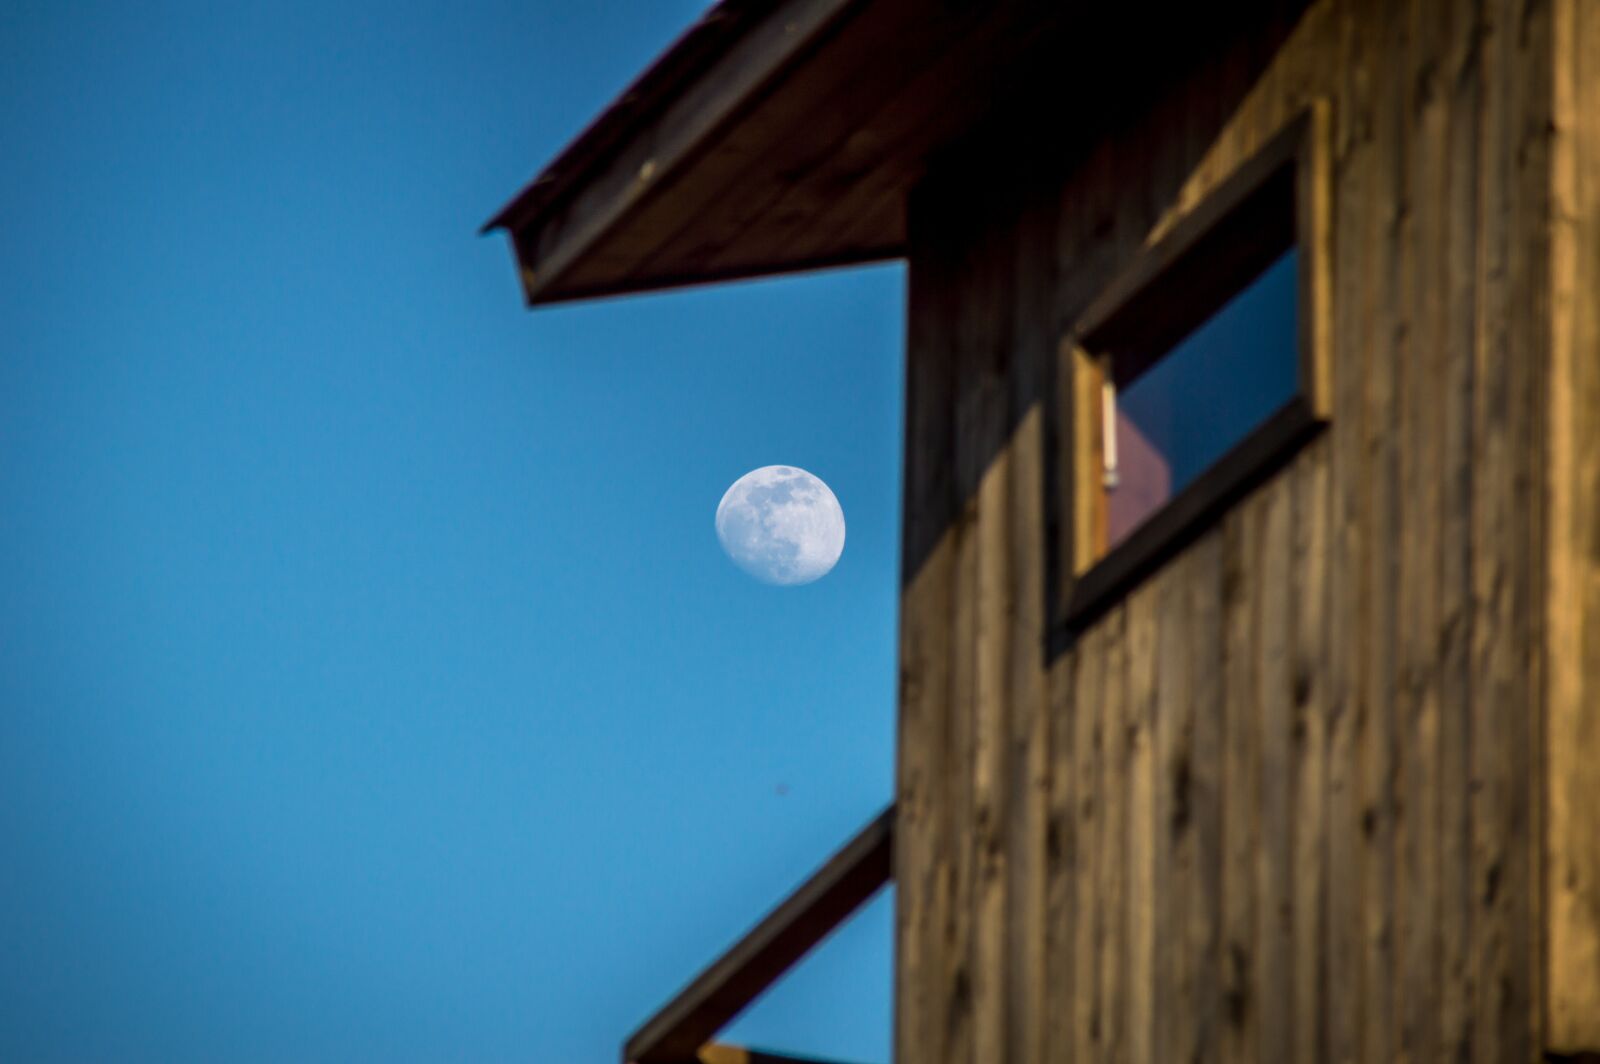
point(1454, 557)
point(1164, 995)
point(888, 128)
point(1198, 787)
point(1162, 674)
point(1270, 976)
point(1111, 914)
point(927, 587)
point(1241, 794)
point(666, 142)
point(1308, 674)
point(1088, 772)
point(1185, 830)
point(1065, 857)
point(866, 252)
point(806, 133)
point(1290, 805)
point(989, 356)
point(1518, 999)
point(1029, 1001)
point(1387, 216)
point(755, 962)
point(1234, 233)
point(1513, 261)
point(971, 324)
point(1273, 974)
point(1490, 649)
point(1142, 834)
point(1353, 297)
point(1421, 365)
point(1188, 514)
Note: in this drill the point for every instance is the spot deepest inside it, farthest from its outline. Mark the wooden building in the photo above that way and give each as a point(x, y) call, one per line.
point(1298, 759)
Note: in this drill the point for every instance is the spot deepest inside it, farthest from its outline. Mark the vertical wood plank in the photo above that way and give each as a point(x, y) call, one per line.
point(1063, 918)
point(1030, 749)
point(1417, 325)
point(1500, 820)
point(1490, 636)
point(1176, 877)
point(1087, 765)
point(1528, 276)
point(1241, 775)
point(990, 292)
point(1171, 1017)
point(1388, 227)
point(1271, 590)
point(1572, 590)
point(1199, 1021)
point(1374, 826)
point(1111, 872)
point(1308, 756)
point(921, 852)
point(1065, 848)
point(963, 726)
point(1145, 609)
point(1454, 557)
point(1354, 165)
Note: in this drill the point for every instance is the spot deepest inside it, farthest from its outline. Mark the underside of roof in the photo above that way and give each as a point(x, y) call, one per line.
point(784, 135)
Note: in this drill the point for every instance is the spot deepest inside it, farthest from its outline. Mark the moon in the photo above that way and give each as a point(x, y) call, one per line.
point(781, 525)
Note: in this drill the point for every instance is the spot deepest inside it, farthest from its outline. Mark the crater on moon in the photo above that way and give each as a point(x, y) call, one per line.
point(781, 525)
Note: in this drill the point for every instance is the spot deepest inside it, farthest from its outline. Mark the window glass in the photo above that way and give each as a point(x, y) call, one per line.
point(1204, 396)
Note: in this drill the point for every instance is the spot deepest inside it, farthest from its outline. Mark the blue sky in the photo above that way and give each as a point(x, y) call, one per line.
point(372, 685)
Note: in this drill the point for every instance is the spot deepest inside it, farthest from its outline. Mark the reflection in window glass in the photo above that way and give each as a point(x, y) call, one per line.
point(1204, 396)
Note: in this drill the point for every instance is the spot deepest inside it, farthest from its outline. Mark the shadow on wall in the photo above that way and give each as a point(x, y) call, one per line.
point(1010, 238)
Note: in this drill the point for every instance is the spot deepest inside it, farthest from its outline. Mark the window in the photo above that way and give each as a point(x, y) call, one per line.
point(1197, 372)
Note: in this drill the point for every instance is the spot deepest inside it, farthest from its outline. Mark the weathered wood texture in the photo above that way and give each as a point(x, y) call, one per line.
point(1287, 799)
point(1572, 732)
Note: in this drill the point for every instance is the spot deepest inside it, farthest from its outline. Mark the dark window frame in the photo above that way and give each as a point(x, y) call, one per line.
point(1276, 200)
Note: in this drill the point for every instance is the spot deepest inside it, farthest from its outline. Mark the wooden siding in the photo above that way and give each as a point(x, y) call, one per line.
point(1572, 738)
point(1283, 801)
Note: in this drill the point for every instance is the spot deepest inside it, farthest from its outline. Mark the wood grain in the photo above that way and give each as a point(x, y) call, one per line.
point(928, 585)
point(1241, 774)
point(1033, 349)
point(1571, 859)
point(1388, 224)
point(1170, 680)
point(1457, 988)
point(1270, 606)
point(1282, 795)
point(1143, 832)
point(1112, 914)
point(1088, 769)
